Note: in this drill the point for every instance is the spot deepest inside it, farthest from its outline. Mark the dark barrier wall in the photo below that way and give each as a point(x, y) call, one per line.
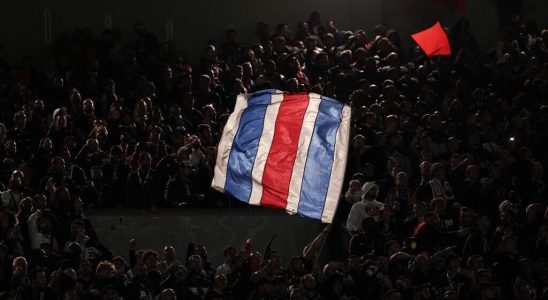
point(216, 229)
point(22, 28)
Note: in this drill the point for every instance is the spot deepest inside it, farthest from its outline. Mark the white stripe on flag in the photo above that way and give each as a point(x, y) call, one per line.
point(300, 160)
point(339, 168)
point(225, 145)
point(264, 148)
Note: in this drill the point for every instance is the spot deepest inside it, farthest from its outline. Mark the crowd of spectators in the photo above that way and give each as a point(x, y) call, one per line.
point(446, 192)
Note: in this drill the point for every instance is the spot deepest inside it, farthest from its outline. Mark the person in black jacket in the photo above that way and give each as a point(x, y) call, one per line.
point(179, 191)
point(38, 288)
point(115, 174)
point(477, 243)
point(142, 185)
point(195, 285)
point(138, 287)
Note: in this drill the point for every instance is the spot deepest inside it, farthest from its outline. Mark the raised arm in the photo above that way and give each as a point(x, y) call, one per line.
point(310, 251)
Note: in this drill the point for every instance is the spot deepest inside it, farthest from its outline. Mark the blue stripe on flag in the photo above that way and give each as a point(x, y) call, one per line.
point(319, 161)
point(245, 146)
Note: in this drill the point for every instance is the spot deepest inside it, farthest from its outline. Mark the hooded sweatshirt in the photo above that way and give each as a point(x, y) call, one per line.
point(366, 208)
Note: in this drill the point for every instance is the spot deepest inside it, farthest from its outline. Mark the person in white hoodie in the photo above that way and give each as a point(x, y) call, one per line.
point(368, 207)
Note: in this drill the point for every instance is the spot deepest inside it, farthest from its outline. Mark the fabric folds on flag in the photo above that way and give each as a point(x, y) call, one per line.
point(433, 41)
point(286, 151)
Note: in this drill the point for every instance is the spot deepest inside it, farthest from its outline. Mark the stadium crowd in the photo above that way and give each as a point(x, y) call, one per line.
point(446, 192)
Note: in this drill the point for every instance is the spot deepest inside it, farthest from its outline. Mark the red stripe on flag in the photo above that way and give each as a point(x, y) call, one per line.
point(281, 158)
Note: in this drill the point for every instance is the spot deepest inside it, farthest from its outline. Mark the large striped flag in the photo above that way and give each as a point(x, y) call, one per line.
point(286, 151)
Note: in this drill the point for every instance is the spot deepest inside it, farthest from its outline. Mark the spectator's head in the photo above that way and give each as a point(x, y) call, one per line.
point(391, 247)
point(203, 131)
point(195, 263)
point(522, 291)
point(85, 269)
point(75, 100)
point(140, 271)
point(346, 58)
point(465, 217)
point(109, 292)
point(44, 225)
point(255, 260)
point(472, 173)
point(392, 294)
point(142, 109)
point(25, 205)
point(77, 227)
point(509, 243)
point(425, 169)
point(423, 291)
point(438, 171)
point(450, 295)
point(329, 270)
point(202, 251)
point(495, 171)
point(482, 223)
point(105, 270)
point(92, 145)
point(438, 205)
point(88, 106)
point(296, 265)
point(10, 148)
point(370, 191)
point(119, 264)
point(204, 82)
point(150, 259)
point(452, 263)
point(169, 253)
point(38, 202)
point(59, 119)
point(145, 161)
point(236, 263)
point(116, 154)
point(168, 294)
point(431, 218)
point(401, 179)
point(247, 69)
point(46, 145)
point(230, 253)
point(331, 26)
point(354, 190)
point(38, 106)
point(209, 112)
point(308, 283)
point(65, 154)
point(422, 262)
point(155, 134)
point(419, 209)
point(483, 276)
point(297, 294)
point(38, 279)
point(96, 174)
point(276, 258)
point(15, 183)
point(292, 85)
point(20, 267)
point(20, 120)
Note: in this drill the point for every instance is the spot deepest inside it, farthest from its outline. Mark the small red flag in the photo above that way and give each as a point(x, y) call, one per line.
point(433, 41)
